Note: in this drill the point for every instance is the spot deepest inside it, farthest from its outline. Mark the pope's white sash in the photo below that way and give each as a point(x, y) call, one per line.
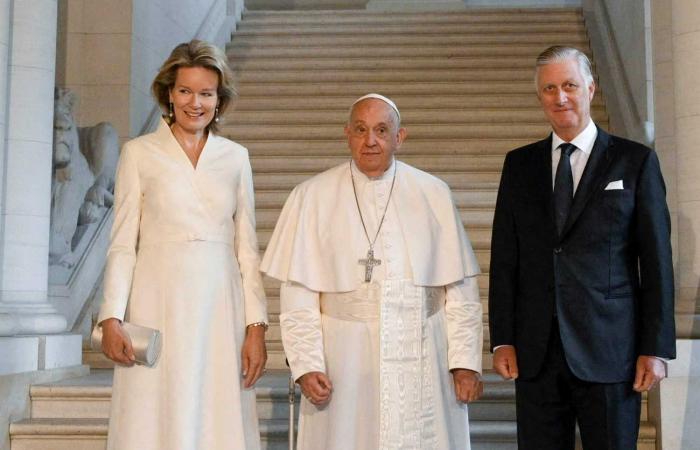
point(406, 390)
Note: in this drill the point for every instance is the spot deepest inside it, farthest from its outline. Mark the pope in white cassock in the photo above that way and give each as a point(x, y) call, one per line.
point(380, 312)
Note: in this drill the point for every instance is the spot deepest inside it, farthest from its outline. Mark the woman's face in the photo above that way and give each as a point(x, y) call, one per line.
point(194, 98)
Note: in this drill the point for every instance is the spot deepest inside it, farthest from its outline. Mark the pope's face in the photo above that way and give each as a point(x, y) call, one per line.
point(373, 136)
point(194, 98)
point(565, 98)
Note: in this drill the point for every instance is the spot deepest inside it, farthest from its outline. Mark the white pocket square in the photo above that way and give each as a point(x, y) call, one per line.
point(614, 186)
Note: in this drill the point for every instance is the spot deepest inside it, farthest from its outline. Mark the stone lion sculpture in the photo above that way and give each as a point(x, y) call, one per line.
point(84, 163)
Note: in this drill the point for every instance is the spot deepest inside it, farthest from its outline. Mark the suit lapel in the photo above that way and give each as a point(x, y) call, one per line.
point(598, 162)
point(544, 176)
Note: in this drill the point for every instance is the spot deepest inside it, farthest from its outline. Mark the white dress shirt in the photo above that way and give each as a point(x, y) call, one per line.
point(584, 145)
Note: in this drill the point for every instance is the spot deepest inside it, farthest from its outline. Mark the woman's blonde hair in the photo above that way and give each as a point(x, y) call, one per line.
point(195, 53)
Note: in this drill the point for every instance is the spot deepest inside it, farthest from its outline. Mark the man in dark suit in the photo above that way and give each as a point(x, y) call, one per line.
point(581, 279)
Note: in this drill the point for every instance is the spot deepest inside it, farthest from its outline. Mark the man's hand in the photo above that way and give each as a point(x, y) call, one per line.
point(505, 363)
point(116, 344)
point(316, 387)
point(650, 370)
point(253, 355)
point(468, 385)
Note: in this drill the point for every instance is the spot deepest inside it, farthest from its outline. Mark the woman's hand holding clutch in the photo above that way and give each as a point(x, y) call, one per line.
point(254, 355)
point(116, 344)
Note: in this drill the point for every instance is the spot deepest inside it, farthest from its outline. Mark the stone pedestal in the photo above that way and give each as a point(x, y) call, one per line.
point(678, 398)
point(45, 352)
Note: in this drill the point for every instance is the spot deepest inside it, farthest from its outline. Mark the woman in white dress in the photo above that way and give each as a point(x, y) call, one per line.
point(184, 260)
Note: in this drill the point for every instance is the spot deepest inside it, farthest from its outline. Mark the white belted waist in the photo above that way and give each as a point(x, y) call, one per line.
point(362, 305)
point(155, 239)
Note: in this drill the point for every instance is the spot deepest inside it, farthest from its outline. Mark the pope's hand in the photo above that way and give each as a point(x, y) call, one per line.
point(253, 355)
point(468, 385)
point(505, 362)
point(316, 387)
point(116, 344)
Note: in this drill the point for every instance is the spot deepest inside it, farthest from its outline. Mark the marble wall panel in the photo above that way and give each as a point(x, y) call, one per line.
point(106, 58)
point(107, 17)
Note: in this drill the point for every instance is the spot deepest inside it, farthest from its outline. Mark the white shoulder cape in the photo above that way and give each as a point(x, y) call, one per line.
point(319, 238)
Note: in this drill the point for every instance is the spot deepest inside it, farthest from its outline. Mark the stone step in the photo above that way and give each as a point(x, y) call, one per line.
point(274, 333)
point(411, 117)
point(418, 147)
point(59, 434)
point(423, 62)
point(480, 238)
point(420, 28)
point(287, 180)
point(407, 51)
point(364, 18)
point(307, 5)
point(267, 218)
point(388, 74)
point(89, 397)
point(272, 292)
point(461, 163)
point(272, 286)
point(338, 102)
point(504, 50)
point(388, 88)
point(91, 434)
point(470, 199)
point(576, 38)
point(249, 132)
point(75, 412)
point(81, 398)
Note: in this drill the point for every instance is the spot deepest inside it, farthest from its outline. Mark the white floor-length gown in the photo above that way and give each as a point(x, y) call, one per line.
point(184, 260)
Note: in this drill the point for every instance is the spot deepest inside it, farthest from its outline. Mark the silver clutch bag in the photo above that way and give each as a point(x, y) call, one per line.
point(145, 341)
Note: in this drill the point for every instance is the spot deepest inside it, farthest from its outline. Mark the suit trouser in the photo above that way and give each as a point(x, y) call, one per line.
point(549, 405)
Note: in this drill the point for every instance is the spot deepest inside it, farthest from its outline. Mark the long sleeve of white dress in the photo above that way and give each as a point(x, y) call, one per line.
point(121, 256)
point(300, 322)
point(463, 314)
point(246, 248)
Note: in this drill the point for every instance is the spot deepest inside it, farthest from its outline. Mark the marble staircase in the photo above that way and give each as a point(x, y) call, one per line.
point(73, 415)
point(464, 84)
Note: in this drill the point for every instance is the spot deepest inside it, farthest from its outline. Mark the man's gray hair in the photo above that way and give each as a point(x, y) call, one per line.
point(558, 53)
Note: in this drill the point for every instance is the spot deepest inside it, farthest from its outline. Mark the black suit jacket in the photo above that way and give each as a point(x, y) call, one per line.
point(607, 280)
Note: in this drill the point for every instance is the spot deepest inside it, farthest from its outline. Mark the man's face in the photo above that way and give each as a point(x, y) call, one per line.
point(565, 98)
point(373, 136)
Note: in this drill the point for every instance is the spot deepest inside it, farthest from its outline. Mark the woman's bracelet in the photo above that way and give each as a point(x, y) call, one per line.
point(258, 324)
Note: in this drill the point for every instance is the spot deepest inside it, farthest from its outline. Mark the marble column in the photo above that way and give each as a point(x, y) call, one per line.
point(685, 38)
point(676, 39)
point(4, 52)
point(27, 156)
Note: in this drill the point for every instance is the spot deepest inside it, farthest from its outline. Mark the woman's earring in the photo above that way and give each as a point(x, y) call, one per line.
point(216, 115)
point(170, 112)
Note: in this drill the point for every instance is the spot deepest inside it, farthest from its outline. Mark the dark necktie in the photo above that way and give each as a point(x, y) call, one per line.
point(563, 186)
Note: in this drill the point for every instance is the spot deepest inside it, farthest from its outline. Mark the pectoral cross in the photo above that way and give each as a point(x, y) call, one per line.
point(369, 264)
